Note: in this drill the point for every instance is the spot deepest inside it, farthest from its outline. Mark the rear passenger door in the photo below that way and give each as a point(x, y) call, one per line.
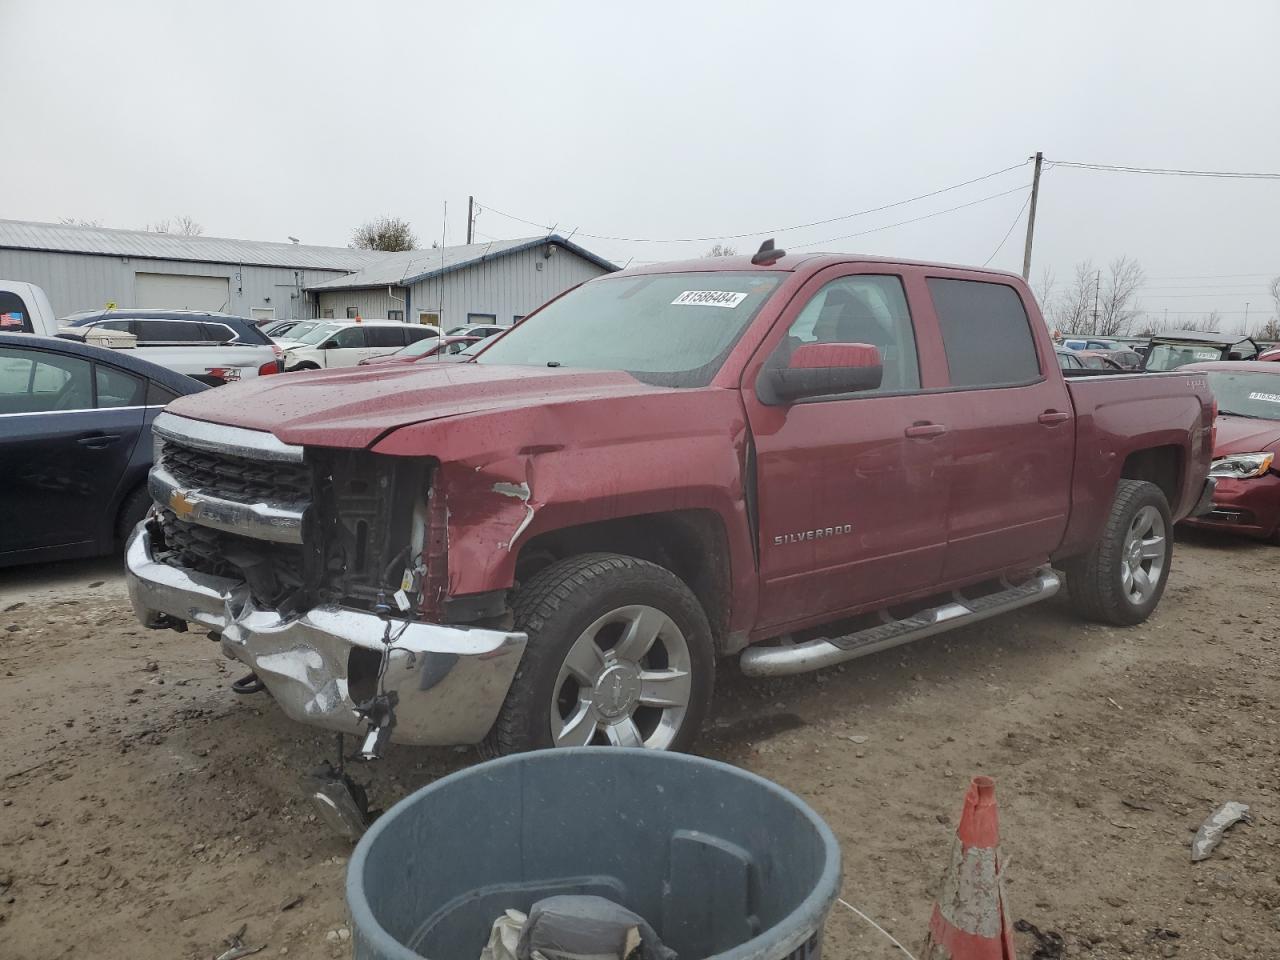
point(383, 340)
point(1011, 423)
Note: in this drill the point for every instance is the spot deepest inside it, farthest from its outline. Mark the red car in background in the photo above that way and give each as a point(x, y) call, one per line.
point(1272, 354)
point(445, 348)
point(1247, 496)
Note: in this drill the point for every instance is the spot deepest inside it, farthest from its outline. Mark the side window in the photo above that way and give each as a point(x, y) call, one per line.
point(14, 315)
point(481, 318)
point(124, 326)
point(397, 315)
point(385, 336)
point(867, 308)
point(117, 388)
point(351, 313)
point(985, 332)
point(158, 396)
point(37, 382)
point(216, 333)
point(327, 315)
point(414, 334)
point(350, 338)
point(158, 333)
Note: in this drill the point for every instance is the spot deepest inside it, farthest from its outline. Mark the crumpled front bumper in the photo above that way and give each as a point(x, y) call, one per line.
point(448, 683)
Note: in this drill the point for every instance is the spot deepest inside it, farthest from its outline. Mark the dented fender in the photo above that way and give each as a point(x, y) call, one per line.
point(508, 477)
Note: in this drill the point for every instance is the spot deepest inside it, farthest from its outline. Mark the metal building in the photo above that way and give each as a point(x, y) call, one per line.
point(89, 268)
point(496, 282)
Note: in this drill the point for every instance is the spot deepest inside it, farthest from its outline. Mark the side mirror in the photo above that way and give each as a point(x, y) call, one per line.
point(328, 344)
point(822, 370)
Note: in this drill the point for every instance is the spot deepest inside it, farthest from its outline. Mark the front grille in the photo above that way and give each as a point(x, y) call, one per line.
point(237, 478)
point(277, 568)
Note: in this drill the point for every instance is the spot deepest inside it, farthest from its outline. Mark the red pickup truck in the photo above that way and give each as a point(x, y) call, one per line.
point(795, 460)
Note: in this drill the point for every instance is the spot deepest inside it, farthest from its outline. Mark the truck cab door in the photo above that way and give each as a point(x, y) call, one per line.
point(1013, 425)
point(852, 490)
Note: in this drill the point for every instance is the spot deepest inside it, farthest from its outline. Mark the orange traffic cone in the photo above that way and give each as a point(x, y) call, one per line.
point(969, 921)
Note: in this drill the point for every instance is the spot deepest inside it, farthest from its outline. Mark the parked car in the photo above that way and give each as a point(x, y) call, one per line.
point(1099, 360)
point(344, 343)
point(24, 308)
point(76, 445)
point(1168, 351)
point(214, 348)
point(1068, 359)
point(1087, 343)
point(1270, 355)
point(299, 331)
point(796, 460)
point(279, 328)
point(433, 348)
point(477, 330)
point(1246, 499)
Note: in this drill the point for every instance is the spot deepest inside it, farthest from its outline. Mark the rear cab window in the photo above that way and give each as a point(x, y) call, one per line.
point(14, 315)
point(986, 333)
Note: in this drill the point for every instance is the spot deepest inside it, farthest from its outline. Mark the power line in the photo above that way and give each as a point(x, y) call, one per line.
point(1009, 231)
point(927, 216)
point(1167, 171)
point(771, 230)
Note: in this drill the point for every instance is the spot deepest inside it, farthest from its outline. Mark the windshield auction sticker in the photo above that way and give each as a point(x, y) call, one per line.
point(709, 298)
point(1269, 397)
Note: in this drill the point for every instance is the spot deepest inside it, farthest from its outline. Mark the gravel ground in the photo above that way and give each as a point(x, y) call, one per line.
point(147, 812)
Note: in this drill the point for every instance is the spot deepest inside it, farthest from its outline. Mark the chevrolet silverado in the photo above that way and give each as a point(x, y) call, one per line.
point(792, 459)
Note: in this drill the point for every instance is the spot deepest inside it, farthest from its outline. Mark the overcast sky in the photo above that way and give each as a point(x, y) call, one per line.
point(695, 119)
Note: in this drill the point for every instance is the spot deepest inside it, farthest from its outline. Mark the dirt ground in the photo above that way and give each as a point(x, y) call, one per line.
point(148, 812)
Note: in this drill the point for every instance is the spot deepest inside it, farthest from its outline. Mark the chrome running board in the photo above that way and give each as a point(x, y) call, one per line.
point(782, 661)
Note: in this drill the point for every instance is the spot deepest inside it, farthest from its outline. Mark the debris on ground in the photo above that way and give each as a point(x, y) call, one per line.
point(1049, 943)
point(1210, 833)
point(236, 946)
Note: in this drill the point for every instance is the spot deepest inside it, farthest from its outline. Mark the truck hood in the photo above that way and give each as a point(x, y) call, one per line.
point(1245, 435)
point(352, 408)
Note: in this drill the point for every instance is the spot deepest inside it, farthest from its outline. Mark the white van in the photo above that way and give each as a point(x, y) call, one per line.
point(344, 343)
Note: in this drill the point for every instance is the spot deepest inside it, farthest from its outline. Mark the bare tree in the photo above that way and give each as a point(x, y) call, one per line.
point(1268, 332)
point(1116, 308)
point(183, 226)
point(1043, 288)
point(79, 222)
point(1072, 310)
point(1209, 323)
point(721, 250)
point(384, 233)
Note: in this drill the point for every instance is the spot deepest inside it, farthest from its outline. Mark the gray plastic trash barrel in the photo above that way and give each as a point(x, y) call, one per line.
point(724, 864)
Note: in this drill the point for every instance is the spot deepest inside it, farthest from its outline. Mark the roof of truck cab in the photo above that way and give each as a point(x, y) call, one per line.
point(1196, 336)
point(791, 262)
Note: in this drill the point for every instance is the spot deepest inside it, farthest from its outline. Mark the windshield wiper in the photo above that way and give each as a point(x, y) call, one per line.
point(553, 363)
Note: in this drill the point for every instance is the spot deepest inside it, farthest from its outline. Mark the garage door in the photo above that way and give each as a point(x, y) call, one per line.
point(177, 292)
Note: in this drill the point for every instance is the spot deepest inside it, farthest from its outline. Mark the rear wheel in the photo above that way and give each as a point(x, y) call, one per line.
point(1121, 580)
point(619, 654)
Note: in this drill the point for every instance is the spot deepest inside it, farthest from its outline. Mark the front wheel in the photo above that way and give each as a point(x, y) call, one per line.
point(1122, 578)
point(619, 654)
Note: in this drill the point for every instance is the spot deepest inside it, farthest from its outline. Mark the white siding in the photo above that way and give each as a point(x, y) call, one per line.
point(373, 304)
point(506, 287)
point(76, 281)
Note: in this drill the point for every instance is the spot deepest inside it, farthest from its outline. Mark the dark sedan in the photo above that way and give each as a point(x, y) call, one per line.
point(75, 445)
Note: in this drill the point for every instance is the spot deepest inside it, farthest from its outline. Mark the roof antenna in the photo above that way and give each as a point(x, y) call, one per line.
point(767, 255)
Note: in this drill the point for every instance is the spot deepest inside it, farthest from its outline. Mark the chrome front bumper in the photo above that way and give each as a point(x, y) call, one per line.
point(448, 682)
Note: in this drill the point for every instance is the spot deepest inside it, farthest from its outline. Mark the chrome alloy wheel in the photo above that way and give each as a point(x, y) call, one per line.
point(1143, 557)
point(626, 682)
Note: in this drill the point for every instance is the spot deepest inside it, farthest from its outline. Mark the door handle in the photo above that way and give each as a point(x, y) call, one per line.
point(925, 430)
point(96, 441)
point(1051, 417)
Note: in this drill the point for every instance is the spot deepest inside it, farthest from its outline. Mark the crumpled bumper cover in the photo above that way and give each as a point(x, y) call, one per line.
point(448, 682)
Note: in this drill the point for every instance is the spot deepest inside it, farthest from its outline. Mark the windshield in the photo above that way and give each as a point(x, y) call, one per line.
point(301, 329)
point(317, 334)
point(672, 329)
point(1247, 394)
point(1170, 356)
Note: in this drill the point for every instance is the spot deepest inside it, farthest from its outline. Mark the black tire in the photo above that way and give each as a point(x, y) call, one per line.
point(1096, 579)
point(558, 604)
point(132, 511)
point(305, 365)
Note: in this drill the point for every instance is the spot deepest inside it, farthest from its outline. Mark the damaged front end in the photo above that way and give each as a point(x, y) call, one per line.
point(324, 571)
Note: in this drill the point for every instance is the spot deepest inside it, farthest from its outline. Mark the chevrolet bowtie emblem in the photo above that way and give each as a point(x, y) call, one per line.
point(181, 504)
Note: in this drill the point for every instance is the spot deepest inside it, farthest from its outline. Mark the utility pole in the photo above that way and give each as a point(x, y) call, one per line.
point(1031, 217)
point(1097, 285)
point(1246, 318)
point(471, 217)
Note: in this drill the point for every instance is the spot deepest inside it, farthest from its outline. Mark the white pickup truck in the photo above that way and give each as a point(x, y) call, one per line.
point(213, 348)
